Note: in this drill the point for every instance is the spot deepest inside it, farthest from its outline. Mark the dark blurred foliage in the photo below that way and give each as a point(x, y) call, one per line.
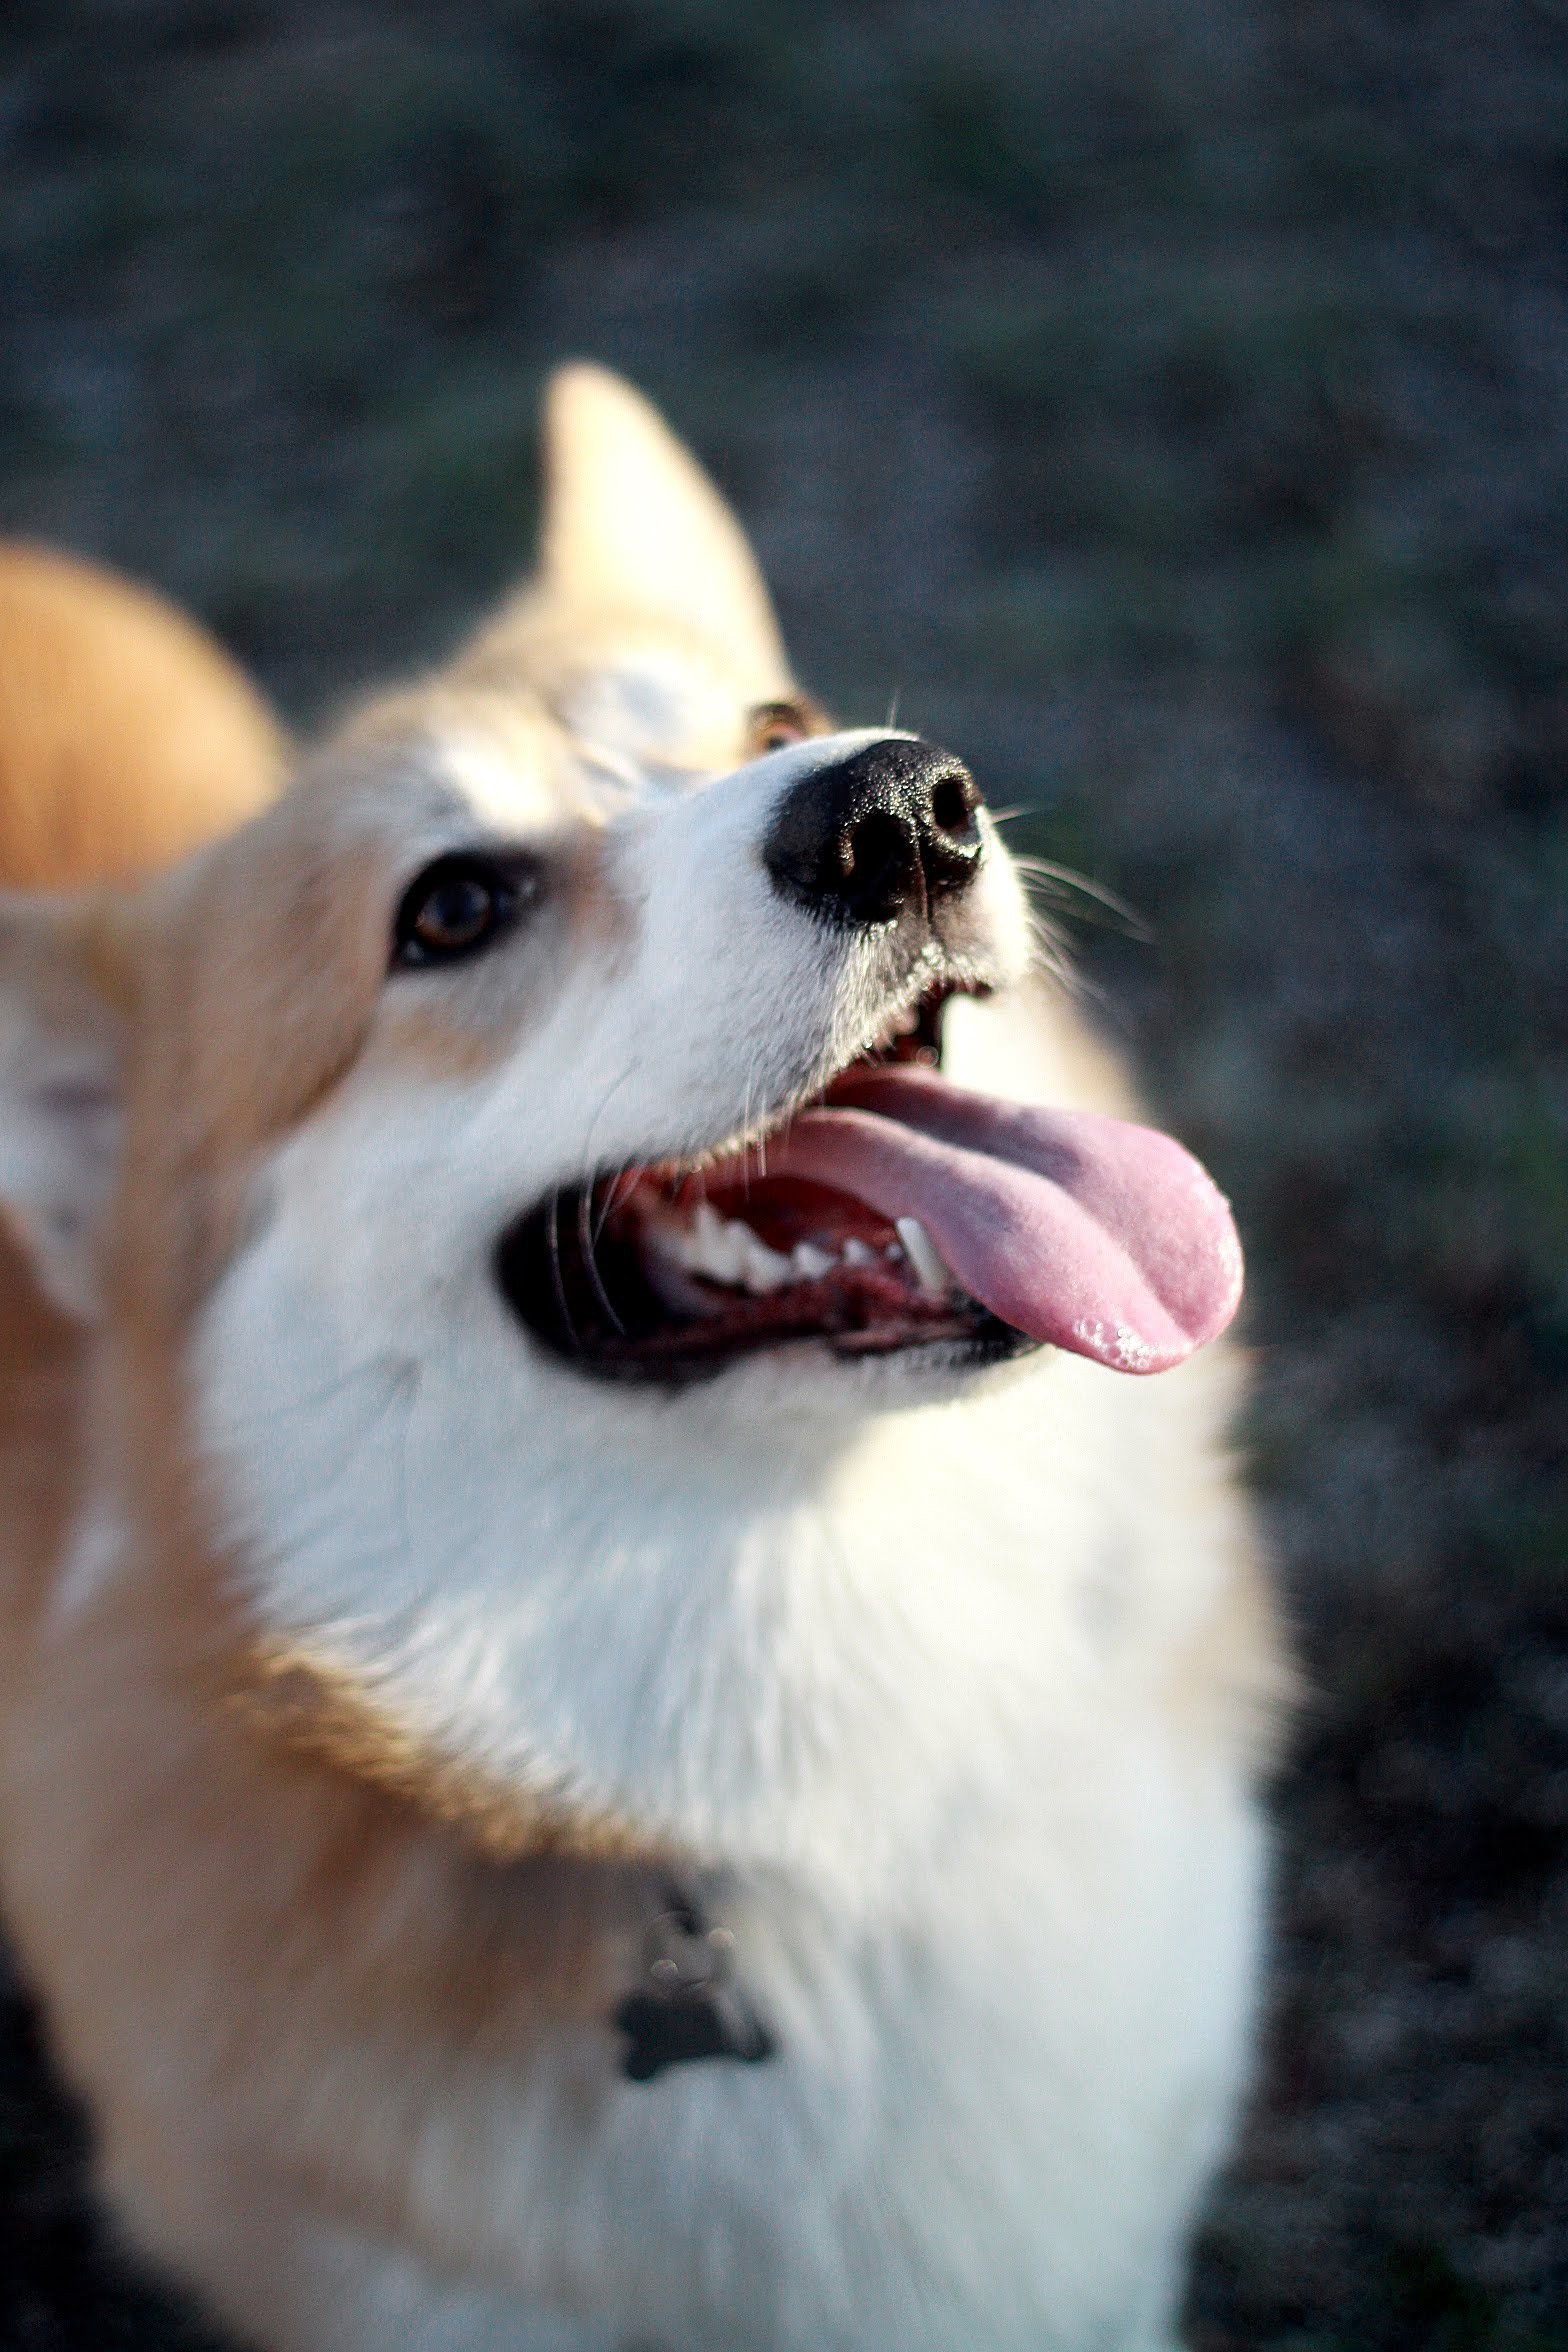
point(1169, 404)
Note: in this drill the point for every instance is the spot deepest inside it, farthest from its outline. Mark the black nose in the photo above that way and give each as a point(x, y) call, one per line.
point(888, 828)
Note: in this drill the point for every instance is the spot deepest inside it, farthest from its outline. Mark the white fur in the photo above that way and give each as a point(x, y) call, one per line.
point(878, 1651)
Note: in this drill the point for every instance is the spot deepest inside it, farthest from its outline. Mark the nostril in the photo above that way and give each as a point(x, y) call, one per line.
point(954, 799)
point(887, 830)
point(949, 836)
point(880, 865)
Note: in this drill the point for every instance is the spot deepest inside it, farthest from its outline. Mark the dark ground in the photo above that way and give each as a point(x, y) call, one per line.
point(1169, 401)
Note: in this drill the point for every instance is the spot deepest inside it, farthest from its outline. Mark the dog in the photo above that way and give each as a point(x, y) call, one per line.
point(634, 1674)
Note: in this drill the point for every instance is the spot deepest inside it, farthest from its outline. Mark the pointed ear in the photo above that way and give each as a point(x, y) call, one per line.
point(61, 1047)
point(631, 522)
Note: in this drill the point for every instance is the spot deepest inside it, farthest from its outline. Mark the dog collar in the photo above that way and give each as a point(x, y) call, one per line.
point(686, 2003)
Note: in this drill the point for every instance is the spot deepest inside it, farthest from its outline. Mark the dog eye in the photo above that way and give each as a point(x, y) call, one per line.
point(457, 906)
point(772, 725)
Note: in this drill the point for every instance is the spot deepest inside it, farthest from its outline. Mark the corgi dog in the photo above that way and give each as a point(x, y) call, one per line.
point(633, 1674)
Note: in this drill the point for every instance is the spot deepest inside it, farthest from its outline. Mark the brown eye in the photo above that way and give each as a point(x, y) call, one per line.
point(458, 906)
point(773, 725)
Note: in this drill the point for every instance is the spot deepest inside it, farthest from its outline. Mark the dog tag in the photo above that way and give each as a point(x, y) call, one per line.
point(687, 2004)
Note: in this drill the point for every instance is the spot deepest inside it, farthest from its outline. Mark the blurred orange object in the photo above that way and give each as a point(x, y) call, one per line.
point(127, 735)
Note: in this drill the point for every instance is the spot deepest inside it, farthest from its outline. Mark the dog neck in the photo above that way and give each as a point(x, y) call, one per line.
point(313, 1708)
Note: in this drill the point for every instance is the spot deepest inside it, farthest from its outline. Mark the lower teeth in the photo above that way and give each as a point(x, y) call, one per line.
point(728, 1253)
point(811, 1263)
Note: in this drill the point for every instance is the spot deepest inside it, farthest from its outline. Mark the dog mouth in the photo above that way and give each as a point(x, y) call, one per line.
point(888, 1213)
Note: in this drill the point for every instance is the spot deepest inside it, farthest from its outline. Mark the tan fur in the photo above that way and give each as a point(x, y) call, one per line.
point(314, 1707)
point(296, 1904)
point(126, 735)
point(202, 1748)
point(40, 1375)
point(126, 739)
point(607, 449)
point(370, 1918)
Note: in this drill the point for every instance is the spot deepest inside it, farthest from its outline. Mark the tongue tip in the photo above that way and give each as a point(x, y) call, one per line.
point(1080, 1230)
point(1122, 1349)
point(1165, 1339)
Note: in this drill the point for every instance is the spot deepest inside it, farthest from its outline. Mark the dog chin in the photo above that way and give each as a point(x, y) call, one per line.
point(807, 1378)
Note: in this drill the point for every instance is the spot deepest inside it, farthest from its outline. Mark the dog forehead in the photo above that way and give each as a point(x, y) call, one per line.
point(492, 752)
point(644, 703)
point(532, 786)
point(507, 795)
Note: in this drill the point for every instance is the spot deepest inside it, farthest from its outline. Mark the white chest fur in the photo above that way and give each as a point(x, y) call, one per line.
point(911, 1696)
point(988, 2118)
point(927, 1691)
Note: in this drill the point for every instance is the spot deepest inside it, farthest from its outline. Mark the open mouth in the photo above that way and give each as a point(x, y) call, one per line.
point(891, 1212)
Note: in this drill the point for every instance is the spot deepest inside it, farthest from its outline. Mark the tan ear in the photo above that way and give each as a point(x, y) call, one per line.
point(127, 735)
point(61, 1046)
point(632, 523)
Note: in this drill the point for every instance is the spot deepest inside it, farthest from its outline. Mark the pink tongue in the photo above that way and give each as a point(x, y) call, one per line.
point(1081, 1230)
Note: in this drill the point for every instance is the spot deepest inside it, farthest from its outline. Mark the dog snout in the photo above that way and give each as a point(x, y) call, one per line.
point(892, 827)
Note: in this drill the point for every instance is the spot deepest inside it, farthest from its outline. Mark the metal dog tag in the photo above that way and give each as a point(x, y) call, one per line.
point(687, 2004)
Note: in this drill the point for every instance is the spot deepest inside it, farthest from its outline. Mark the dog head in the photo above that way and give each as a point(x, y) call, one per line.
point(518, 1166)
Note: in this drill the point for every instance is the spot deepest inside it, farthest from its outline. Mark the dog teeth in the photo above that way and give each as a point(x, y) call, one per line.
point(725, 1250)
point(716, 1247)
point(897, 1025)
point(764, 1269)
point(920, 1250)
point(809, 1262)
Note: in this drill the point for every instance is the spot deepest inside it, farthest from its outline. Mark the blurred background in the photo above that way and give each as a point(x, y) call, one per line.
point(1166, 401)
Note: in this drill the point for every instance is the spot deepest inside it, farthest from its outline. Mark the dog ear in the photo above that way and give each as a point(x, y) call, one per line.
point(633, 523)
point(61, 1051)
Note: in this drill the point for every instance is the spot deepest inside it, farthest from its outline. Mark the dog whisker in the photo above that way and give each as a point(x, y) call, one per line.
point(556, 1272)
point(1044, 875)
point(586, 1237)
point(612, 1197)
point(605, 1100)
point(1048, 953)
